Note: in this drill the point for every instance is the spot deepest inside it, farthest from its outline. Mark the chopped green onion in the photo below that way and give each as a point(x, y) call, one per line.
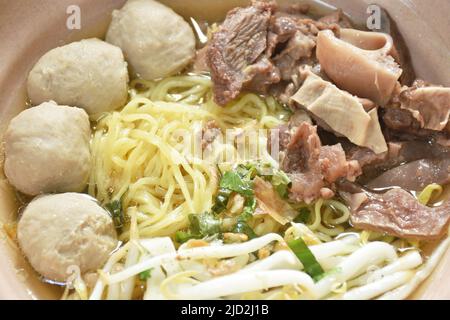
point(183, 236)
point(146, 274)
point(306, 257)
point(303, 216)
point(221, 200)
point(242, 225)
point(247, 172)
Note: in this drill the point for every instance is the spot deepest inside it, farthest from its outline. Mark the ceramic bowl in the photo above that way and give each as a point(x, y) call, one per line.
point(29, 28)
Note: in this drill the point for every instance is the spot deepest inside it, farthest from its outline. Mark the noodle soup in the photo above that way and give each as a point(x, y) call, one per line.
point(213, 193)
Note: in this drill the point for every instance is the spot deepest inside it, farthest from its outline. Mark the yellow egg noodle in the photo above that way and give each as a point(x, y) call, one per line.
point(136, 155)
point(140, 160)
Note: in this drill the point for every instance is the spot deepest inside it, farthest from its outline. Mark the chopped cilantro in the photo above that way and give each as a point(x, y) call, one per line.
point(232, 181)
point(303, 216)
point(205, 224)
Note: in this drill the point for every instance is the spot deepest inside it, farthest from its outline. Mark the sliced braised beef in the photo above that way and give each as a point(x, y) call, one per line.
point(430, 106)
point(200, 63)
point(302, 149)
point(299, 46)
point(402, 120)
point(398, 213)
point(334, 165)
point(399, 152)
point(258, 47)
point(443, 140)
point(371, 164)
point(261, 75)
point(439, 138)
point(281, 29)
point(415, 175)
point(286, 130)
point(420, 110)
point(298, 51)
point(367, 157)
point(314, 168)
point(238, 44)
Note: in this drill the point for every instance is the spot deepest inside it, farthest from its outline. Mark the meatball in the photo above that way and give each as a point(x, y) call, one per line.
point(89, 74)
point(47, 149)
point(156, 41)
point(59, 231)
